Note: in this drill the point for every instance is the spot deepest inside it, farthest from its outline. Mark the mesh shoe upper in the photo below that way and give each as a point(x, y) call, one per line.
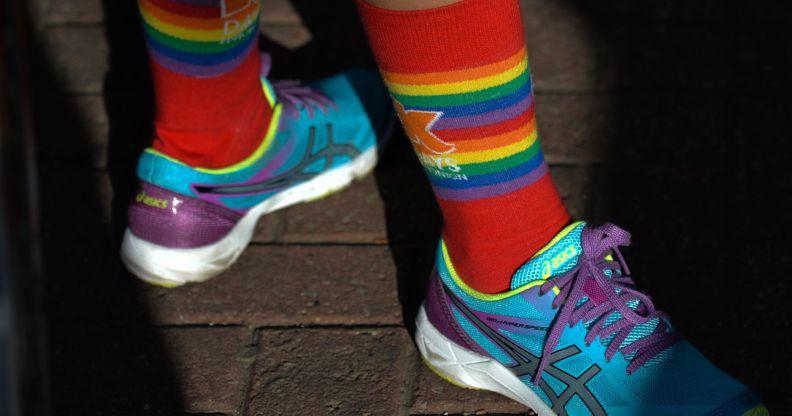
point(608, 359)
point(303, 141)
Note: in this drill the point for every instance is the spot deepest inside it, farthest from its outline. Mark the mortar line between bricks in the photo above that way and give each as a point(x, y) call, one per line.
point(410, 375)
point(252, 347)
point(207, 414)
point(327, 327)
point(132, 324)
point(320, 244)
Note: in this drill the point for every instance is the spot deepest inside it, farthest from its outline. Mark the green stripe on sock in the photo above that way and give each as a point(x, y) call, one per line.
point(498, 165)
point(505, 163)
point(464, 98)
point(205, 48)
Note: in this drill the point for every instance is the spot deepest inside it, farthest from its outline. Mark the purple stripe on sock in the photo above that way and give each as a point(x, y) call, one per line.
point(492, 190)
point(200, 70)
point(478, 120)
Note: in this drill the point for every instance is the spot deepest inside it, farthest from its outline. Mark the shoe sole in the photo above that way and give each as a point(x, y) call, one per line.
point(468, 369)
point(171, 267)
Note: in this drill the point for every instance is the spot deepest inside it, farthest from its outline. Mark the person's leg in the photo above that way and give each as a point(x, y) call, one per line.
point(570, 334)
point(230, 146)
point(461, 84)
point(210, 109)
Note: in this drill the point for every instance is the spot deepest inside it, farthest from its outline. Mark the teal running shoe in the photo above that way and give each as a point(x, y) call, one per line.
point(188, 224)
point(572, 337)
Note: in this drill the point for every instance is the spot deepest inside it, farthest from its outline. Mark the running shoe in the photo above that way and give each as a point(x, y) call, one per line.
point(189, 224)
point(573, 337)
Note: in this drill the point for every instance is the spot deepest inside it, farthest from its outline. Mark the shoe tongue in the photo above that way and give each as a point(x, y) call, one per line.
point(559, 256)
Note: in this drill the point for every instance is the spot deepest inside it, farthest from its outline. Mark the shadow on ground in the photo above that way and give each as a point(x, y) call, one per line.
point(105, 356)
point(695, 108)
point(696, 123)
point(698, 119)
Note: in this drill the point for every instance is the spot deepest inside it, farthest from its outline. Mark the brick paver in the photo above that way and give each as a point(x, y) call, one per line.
point(329, 372)
point(432, 395)
point(288, 286)
point(658, 116)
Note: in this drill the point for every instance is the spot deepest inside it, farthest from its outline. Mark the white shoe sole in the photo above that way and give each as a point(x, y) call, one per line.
point(172, 267)
point(469, 369)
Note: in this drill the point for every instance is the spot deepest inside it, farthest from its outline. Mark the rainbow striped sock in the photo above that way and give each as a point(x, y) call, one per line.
point(211, 111)
point(200, 38)
point(473, 129)
point(461, 85)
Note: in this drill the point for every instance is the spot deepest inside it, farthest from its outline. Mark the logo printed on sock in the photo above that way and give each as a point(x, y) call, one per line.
point(229, 8)
point(480, 117)
point(236, 28)
point(418, 125)
point(433, 152)
point(200, 38)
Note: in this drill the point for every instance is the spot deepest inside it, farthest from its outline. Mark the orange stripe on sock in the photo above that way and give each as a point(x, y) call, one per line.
point(496, 141)
point(487, 143)
point(457, 75)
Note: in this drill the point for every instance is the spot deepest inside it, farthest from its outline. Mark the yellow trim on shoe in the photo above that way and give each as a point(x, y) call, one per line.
point(269, 137)
point(561, 234)
point(269, 92)
point(498, 296)
point(445, 377)
point(481, 295)
point(757, 411)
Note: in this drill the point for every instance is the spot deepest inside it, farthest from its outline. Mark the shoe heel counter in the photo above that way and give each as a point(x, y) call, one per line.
point(439, 313)
point(173, 220)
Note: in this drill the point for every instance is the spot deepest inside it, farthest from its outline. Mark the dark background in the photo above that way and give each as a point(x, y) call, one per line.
point(669, 118)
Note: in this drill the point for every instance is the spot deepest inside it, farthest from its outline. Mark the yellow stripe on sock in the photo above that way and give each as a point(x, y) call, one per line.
point(461, 87)
point(497, 153)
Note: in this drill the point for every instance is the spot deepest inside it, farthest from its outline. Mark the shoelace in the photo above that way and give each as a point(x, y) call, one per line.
point(294, 95)
point(603, 277)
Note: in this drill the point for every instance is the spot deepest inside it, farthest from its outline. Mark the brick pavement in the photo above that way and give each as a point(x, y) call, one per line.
point(315, 316)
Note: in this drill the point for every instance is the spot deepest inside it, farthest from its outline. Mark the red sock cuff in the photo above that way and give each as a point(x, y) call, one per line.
point(429, 32)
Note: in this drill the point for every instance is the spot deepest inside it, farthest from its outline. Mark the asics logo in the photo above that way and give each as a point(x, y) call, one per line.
point(149, 200)
point(526, 363)
point(549, 266)
point(294, 175)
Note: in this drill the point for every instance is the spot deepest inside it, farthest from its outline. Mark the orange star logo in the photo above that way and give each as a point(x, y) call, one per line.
point(418, 125)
